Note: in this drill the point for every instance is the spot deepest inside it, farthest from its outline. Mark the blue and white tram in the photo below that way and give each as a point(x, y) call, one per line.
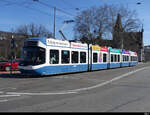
point(125, 58)
point(43, 56)
point(99, 57)
point(114, 58)
point(34, 56)
point(47, 56)
point(133, 58)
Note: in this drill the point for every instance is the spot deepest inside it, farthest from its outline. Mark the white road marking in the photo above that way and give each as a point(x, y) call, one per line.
point(10, 88)
point(10, 95)
point(107, 82)
point(77, 90)
point(3, 100)
point(49, 93)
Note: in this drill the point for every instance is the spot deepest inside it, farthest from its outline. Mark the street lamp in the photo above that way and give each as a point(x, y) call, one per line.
point(138, 3)
point(141, 50)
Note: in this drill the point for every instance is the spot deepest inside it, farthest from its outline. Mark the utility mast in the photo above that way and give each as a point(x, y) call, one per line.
point(54, 22)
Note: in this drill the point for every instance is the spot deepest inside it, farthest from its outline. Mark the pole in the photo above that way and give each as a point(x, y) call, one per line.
point(122, 45)
point(11, 54)
point(142, 45)
point(54, 22)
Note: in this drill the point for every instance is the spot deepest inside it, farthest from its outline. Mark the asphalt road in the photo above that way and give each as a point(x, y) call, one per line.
point(114, 90)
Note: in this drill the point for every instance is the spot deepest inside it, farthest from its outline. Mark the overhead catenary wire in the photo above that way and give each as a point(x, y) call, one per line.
point(9, 3)
point(70, 5)
point(58, 9)
point(30, 6)
point(24, 4)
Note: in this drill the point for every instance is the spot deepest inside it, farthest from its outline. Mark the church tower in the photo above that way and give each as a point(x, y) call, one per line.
point(118, 33)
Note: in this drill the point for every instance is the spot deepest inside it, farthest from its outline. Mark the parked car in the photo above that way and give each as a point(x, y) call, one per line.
point(6, 66)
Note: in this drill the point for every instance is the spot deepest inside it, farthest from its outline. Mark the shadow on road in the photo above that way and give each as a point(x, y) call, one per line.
point(16, 75)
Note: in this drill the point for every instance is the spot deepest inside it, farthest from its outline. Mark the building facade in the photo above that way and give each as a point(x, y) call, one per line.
point(128, 40)
point(5, 47)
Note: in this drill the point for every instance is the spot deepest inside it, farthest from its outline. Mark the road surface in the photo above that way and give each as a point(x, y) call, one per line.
point(114, 90)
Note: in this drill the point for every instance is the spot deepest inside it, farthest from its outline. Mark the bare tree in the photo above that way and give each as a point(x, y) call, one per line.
point(84, 25)
point(33, 30)
point(97, 23)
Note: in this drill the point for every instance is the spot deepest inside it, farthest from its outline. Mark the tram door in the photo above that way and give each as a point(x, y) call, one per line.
point(89, 58)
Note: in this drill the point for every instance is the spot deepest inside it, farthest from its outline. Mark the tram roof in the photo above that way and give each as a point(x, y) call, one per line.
point(59, 43)
point(133, 53)
point(42, 39)
point(125, 51)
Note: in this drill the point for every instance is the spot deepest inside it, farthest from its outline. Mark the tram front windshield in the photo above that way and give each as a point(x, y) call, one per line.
point(33, 56)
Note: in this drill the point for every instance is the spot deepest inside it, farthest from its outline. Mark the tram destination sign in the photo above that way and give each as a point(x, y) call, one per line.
point(79, 45)
point(55, 42)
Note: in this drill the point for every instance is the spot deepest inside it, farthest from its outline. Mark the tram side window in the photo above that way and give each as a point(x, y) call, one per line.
point(104, 57)
point(133, 58)
point(118, 58)
point(127, 58)
point(75, 56)
point(40, 56)
point(54, 56)
point(65, 56)
point(124, 58)
point(136, 58)
point(115, 57)
point(112, 57)
point(94, 57)
point(82, 57)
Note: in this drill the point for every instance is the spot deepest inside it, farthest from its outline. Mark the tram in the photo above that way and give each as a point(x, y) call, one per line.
point(48, 56)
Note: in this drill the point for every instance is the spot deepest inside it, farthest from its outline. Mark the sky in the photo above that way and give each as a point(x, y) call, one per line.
point(14, 13)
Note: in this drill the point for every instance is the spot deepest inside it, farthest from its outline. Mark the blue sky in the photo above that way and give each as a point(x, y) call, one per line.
point(17, 12)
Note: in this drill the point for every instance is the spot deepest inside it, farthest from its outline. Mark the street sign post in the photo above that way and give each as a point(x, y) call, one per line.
point(12, 46)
